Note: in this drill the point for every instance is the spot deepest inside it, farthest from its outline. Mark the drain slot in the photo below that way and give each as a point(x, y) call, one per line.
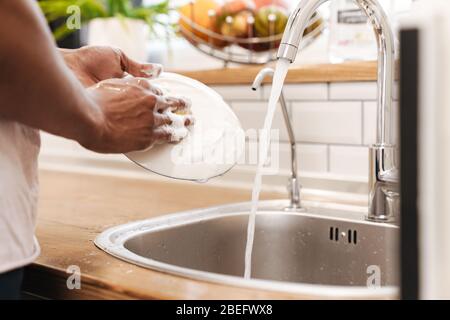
point(352, 235)
point(334, 234)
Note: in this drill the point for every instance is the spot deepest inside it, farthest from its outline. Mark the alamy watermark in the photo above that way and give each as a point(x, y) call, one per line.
point(230, 146)
point(373, 276)
point(74, 279)
point(73, 21)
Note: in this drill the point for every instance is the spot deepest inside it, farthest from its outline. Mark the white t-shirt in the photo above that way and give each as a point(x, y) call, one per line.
point(19, 188)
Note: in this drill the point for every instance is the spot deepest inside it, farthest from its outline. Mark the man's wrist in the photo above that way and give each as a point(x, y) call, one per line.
point(69, 56)
point(90, 130)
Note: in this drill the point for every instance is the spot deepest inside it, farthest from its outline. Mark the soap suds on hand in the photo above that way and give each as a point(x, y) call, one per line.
point(177, 129)
point(199, 151)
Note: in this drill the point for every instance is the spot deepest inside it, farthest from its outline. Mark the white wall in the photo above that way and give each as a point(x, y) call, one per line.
point(334, 124)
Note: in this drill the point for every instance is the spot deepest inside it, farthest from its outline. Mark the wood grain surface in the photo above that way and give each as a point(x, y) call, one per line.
point(341, 72)
point(74, 208)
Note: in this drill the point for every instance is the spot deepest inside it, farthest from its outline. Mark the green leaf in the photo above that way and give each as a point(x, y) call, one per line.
point(55, 10)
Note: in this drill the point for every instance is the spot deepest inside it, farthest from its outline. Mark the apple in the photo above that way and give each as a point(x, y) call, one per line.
point(270, 20)
point(237, 25)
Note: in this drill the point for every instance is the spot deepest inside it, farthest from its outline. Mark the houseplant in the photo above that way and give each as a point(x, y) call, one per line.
point(117, 23)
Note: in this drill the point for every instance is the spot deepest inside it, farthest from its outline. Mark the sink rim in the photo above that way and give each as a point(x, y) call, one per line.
point(113, 239)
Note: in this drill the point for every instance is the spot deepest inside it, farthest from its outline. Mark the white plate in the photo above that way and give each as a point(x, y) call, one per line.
point(214, 143)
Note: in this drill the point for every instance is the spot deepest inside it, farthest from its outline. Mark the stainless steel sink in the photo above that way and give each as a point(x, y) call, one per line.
point(325, 248)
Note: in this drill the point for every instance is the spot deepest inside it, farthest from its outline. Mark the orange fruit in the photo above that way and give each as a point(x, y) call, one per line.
point(199, 13)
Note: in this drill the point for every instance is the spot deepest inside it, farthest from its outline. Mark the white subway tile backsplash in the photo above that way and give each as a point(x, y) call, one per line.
point(349, 160)
point(327, 122)
point(252, 114)
point(279, 157)
point(358, 90)
point(304, 91)
point(238, 92)
point(312, 158)
point(370, 122)
point(353, 90)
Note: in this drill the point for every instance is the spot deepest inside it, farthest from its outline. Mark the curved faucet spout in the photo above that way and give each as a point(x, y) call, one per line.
point(293, 35)
point(383, 179)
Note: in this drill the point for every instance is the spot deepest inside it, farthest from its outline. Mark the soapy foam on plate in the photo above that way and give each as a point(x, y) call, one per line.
point(204, 150)
point(177, 129)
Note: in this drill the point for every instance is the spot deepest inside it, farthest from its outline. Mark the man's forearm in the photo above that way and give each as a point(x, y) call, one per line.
point(36, 87)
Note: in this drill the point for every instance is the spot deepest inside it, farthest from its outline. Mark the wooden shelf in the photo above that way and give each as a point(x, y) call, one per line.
point(342, 72)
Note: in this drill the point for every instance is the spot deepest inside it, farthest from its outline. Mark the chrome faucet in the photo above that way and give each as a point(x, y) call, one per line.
point(294, 186)
point(384, 195)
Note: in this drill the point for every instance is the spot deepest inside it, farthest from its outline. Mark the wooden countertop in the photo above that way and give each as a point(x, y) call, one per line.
point(342, 72)
point(74, 208)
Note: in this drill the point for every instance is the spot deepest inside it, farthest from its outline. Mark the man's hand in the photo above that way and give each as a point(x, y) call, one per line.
point(131, 116)
point(39, 90)
point(93, 64)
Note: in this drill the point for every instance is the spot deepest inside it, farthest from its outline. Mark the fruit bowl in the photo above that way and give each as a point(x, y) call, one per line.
point(238, 32)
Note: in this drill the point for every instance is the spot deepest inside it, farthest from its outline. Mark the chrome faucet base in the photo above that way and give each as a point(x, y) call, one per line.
point(294, 188)
point(384, 197)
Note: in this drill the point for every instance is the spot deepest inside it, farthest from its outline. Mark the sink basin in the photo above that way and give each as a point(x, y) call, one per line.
point(324, 248)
